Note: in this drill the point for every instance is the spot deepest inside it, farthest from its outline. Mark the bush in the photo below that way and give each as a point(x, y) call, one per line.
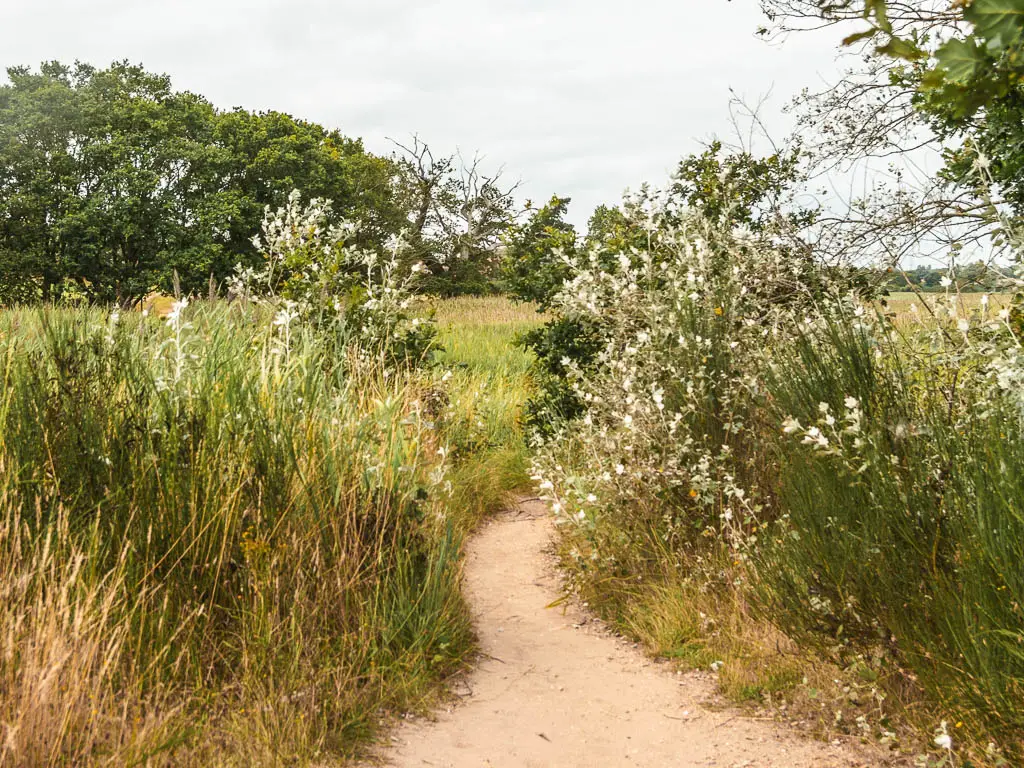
point(741, 421)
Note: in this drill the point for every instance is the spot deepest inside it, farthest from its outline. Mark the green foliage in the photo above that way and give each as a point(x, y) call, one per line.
point(976, 277)
point(535, 263)
point(729, 190)
point(559, 343)
point(911, 542)
point(110, 181)
point(738, 188)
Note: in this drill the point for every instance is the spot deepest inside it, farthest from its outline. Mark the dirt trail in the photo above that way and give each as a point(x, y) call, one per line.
point(552, 689)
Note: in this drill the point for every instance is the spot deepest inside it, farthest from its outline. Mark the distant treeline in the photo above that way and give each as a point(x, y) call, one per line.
point(112, 182)
point(977, 277)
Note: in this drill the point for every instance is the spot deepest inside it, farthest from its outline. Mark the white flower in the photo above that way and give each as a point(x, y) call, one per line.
point(945, 282)
point(1004, 314)
point(963, 326)
point(851, 403)
point(942, 738)
point(284, 318)
point(791, 425)
point(591, 498)
point(176, 309)
point(619, 469)
point(814, 437)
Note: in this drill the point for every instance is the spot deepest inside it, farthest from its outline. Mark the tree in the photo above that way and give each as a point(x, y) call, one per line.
point(742, 189)
point(933, 74)
point(456, 217)
point(39, 174)
point(535, 262)
point(113, 184)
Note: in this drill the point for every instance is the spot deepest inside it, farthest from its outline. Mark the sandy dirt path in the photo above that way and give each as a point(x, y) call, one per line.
point(553, 689)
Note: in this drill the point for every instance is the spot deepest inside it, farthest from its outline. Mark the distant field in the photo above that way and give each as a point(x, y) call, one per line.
point(902, 303)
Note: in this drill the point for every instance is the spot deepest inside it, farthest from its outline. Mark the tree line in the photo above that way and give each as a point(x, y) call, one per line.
point(114, 185)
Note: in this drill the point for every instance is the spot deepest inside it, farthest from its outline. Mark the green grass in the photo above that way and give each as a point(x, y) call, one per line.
point(218, 551)
point(490, 380)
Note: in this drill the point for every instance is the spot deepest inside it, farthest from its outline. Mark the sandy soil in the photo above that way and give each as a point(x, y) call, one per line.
point(553, 688)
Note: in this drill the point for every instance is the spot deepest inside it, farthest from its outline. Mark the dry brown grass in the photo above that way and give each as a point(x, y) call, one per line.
point(67, 694)
point(903, 304)
point(760, 667)
point(484, 310)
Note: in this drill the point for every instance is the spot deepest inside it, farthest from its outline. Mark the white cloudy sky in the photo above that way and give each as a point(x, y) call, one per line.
point(578, 97)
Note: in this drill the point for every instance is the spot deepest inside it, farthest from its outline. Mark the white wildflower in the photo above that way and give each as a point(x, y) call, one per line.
point(174, 317)
point(942, 738)
point(791, 425)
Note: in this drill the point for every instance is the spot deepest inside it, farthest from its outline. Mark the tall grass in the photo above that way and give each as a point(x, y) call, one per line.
point(489, 380)
point(217, 545)
point(914, 541)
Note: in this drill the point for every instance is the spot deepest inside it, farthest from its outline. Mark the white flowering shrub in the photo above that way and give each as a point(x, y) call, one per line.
point(743, 417)
point(668, 398)
point(314, 271)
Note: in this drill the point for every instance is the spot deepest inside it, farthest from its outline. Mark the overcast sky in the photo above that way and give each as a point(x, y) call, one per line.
point(578, 97)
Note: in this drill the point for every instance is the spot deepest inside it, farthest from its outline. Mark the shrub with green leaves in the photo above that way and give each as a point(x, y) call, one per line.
point(313, 270)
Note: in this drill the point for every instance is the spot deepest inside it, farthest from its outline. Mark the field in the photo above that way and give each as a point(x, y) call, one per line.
point(221, 546)
point(231, 539)
point(913, 308)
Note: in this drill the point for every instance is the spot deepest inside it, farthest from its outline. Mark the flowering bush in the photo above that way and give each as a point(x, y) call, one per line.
point(312, 271)
point(740, 405)
point(667, 392)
